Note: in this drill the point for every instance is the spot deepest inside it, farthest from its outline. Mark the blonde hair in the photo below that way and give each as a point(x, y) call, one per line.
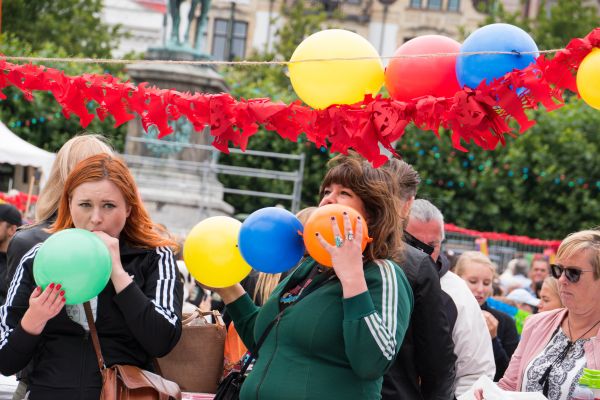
point(74, 150)
point(304, 214)
point(265, 285)
point(581, 241)
point(470, 257)
point(552, 284)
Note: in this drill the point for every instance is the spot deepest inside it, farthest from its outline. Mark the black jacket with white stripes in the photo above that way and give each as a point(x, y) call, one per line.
point(135, 326)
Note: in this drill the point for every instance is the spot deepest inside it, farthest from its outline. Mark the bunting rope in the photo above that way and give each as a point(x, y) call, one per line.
point(84, 60)
point(480, 116)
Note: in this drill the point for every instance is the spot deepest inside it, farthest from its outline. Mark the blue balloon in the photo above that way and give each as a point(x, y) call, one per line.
point(270, 240)
point(472, 69)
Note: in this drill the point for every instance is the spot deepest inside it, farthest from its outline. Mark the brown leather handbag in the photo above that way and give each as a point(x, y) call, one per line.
point(123, 382)
point(196, 362)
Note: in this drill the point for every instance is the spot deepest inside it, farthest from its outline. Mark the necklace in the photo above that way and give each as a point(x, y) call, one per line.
point(571, 332)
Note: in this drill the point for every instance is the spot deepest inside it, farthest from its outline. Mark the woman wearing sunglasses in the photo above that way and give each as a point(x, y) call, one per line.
point(556, 345)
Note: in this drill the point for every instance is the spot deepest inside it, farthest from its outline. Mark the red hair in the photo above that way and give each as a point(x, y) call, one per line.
point(139, 230)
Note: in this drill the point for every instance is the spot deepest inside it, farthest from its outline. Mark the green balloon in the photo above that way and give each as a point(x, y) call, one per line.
point(78, 260)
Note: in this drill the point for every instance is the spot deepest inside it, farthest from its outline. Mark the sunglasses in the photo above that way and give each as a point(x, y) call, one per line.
point(571, 273)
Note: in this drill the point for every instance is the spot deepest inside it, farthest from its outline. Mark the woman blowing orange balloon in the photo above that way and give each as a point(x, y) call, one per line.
point(137, 314)
point(336, 330)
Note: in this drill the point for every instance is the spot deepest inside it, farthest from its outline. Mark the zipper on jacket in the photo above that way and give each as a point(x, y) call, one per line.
point(271, 358)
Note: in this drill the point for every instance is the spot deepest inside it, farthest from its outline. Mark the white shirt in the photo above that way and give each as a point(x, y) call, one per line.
point(472, 340)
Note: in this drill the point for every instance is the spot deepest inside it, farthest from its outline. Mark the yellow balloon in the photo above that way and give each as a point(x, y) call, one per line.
point(211, 252)
point(323, 83)
point(588, 79)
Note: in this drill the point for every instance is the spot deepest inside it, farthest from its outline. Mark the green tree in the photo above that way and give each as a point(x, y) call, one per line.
point(271, 81)
point(544, 183)
point(73, 25)
point(552, 26)
point(57, 28)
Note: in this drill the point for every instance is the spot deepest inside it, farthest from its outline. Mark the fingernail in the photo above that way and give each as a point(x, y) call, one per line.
point(51, 286)
point(64, 299)
point(38, 288)
point(62, 293)
point(58, 286)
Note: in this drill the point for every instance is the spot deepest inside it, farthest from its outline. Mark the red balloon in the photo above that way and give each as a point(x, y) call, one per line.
point(409, 78)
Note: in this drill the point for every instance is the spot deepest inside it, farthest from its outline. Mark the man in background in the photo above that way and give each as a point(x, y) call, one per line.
point(10, 220)
point(472, 340)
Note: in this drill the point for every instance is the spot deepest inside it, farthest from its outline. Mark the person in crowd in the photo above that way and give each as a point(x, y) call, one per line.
point(137, 314)
point(478, 271)
point(10, 220)
point(73, 151)
point(556, 345)
point(472, 341)
point(425, 366)
point(549, 296)
point(524, 300)
point(540, 270)
point(336, 330)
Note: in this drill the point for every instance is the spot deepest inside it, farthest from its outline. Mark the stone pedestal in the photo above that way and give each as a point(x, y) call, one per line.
point(174, 174)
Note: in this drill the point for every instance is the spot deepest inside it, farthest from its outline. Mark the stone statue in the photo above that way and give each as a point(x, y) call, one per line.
point(174, 6)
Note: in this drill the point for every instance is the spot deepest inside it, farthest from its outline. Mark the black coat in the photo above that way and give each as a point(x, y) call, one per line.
point(506, 341)
point(425, 365)
point(140, 323)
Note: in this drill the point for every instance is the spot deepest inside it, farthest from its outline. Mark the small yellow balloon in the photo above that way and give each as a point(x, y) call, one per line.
point(323, 83)
point(588, 79)
point(211, 252)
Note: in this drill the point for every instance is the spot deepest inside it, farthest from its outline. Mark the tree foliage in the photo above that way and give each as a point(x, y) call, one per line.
point(55, 28)
point(552, 26)
point(544, 183)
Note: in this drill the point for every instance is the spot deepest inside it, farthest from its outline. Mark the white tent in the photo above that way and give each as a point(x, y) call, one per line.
point(16, 151)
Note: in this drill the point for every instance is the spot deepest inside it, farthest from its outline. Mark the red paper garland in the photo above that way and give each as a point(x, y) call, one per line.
point(504, 237)
point(480, 116)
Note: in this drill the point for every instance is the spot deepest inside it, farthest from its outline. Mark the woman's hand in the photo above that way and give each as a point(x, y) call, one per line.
point(478, 393)
point(119, 277)
point(346, 256)
point(43, 306)
point(492, 323)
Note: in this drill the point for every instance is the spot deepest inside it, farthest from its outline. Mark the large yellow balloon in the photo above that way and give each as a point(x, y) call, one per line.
point(211, 252)
point(588, 79)
point(323, 83)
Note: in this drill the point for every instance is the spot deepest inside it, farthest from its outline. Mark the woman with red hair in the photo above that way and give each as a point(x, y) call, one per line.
point(137, 314)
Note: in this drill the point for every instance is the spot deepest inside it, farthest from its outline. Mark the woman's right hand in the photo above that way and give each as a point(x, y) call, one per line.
point(43, 306)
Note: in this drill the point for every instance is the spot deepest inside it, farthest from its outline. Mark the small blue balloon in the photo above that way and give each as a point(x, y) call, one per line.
point(270, 240)
point(472, 69)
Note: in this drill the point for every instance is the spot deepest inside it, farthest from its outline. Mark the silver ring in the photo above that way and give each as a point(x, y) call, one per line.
point(350, 236)
point(338, 241)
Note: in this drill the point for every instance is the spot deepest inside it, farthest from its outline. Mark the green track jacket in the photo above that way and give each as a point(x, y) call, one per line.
point(324, 346)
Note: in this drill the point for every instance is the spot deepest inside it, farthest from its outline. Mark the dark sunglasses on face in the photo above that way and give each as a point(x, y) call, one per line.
point(573, 274)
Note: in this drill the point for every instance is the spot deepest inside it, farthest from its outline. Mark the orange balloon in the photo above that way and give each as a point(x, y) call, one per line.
point(320, 221)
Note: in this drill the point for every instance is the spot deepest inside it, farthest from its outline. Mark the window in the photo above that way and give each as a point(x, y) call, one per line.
point(238, 40)
point(453, 5)
point(415, 3)
point(434, 4)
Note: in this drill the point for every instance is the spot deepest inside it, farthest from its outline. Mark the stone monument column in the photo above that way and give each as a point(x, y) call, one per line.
point(176, 175)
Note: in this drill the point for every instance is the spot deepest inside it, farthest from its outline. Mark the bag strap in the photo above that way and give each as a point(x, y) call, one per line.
point(94, 334)
point(253, 353)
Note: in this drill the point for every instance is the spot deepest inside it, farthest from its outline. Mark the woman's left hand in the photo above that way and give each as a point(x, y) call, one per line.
point(346, 256)
point(118, 276)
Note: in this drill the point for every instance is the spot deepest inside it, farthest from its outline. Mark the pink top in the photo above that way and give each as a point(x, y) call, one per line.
point(537, 332)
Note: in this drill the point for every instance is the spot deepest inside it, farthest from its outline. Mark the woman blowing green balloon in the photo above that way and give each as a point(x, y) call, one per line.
point(337, 329)
point(137, 314)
